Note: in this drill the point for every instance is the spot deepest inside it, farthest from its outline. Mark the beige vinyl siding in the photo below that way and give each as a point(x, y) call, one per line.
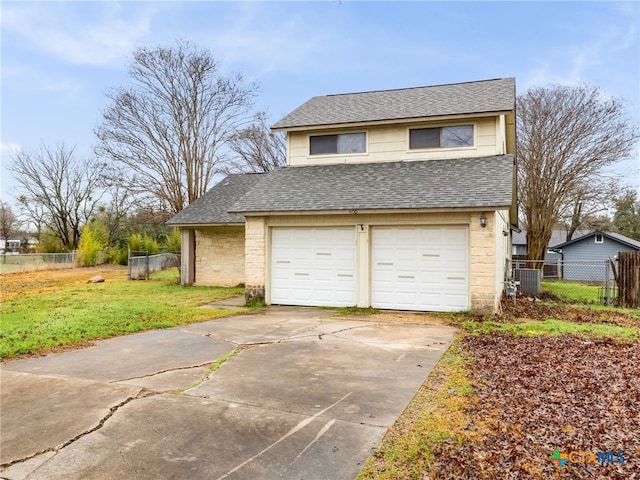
point(390, 143)
point(502, 249)
point(510, 134)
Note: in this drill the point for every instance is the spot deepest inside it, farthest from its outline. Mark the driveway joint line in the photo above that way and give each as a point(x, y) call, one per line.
point(294, 430)
point(279, 410)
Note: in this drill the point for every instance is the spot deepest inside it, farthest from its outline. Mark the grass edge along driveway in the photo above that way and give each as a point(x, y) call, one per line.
point(438, 418)
point(45, 319)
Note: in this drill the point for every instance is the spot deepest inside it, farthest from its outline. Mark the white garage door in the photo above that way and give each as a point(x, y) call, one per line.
point(420, 268)
point(313, 266)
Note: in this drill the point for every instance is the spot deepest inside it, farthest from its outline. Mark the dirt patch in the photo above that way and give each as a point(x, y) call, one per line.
point(12, 284)
point(537, 394)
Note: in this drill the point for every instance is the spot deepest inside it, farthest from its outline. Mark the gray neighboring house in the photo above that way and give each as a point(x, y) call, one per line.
point(584, 257)
point(558, 236)
point(397, 199)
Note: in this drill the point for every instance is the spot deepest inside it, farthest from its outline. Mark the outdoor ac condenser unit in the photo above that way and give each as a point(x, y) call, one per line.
point(529, 279)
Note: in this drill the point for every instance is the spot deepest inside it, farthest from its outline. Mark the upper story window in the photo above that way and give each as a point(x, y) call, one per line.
point(441, 137)
point(599, 238)
point(338, 144)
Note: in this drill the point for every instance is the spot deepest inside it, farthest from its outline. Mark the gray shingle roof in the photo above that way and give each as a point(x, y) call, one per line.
point(459, 98)
point(451, 183)
point(213, 206)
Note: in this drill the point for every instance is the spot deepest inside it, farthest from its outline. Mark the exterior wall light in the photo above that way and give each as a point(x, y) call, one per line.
point(483, 220)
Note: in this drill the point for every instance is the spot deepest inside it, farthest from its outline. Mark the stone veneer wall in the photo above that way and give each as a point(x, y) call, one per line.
point(482, 259)
point(220, 256)
point(255, 255)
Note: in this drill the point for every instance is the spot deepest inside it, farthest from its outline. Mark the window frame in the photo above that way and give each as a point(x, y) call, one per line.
point(600, 239)
point(337, 135)
point(473, 145)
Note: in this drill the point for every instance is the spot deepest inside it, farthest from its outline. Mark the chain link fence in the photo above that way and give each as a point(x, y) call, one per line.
point(572, 282)
point(26, 262)
point(142, 264)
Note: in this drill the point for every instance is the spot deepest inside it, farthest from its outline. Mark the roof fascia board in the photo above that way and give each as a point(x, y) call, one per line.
point(619, 240)
point(391, 121)
point(206, 225)
point(369, 211)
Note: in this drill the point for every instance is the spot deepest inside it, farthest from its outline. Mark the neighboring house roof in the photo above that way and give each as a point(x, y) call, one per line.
point(431, 184)
point(484, 96)
point(213, 207)
point(557, 236)
point(629, 242)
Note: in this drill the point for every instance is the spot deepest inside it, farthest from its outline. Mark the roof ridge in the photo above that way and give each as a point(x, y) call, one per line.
point(414, 88)
point(403, 104)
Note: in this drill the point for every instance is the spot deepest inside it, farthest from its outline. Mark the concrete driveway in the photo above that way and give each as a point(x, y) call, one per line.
point(301, 395)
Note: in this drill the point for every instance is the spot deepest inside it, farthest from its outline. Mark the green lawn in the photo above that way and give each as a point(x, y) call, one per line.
point(582, 295)
point(572, 292)
point(553, 328)
point(37, 321)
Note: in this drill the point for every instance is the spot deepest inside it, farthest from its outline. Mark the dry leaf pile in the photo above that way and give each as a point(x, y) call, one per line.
point(535, 394)
point(526, 308)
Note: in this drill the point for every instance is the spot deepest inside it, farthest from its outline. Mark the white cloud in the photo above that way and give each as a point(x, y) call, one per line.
point(275, 38)
point(78, 33)
point(9, 148)
point(580, 60)
point(32, 78)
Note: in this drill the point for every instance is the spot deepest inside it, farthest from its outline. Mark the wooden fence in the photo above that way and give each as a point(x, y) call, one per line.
point(629, 279)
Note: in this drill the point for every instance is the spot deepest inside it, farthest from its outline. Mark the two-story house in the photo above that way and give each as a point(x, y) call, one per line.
point(398, 199)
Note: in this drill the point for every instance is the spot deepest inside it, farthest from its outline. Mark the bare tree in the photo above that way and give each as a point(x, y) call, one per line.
point(586, 202)
point(8, 221)
point(257, 148)
point(168, 129)
point(114, 213)
point(35, 214)
point(567, 138)
point(58, 189)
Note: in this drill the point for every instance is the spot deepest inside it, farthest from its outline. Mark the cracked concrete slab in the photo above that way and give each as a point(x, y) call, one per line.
point(131, 356)
point(299, 376)
point(39, 413)
point(171, 381)
point(268, 325)
point(307, 396)
point(187, 437)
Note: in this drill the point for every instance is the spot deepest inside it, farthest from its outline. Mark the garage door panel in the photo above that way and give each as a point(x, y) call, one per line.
point(455, 235)
point(456, 257)
point(313, 266)
point(420, 268)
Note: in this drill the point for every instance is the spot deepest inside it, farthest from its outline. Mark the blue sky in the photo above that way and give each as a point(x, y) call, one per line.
point(59, 58)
